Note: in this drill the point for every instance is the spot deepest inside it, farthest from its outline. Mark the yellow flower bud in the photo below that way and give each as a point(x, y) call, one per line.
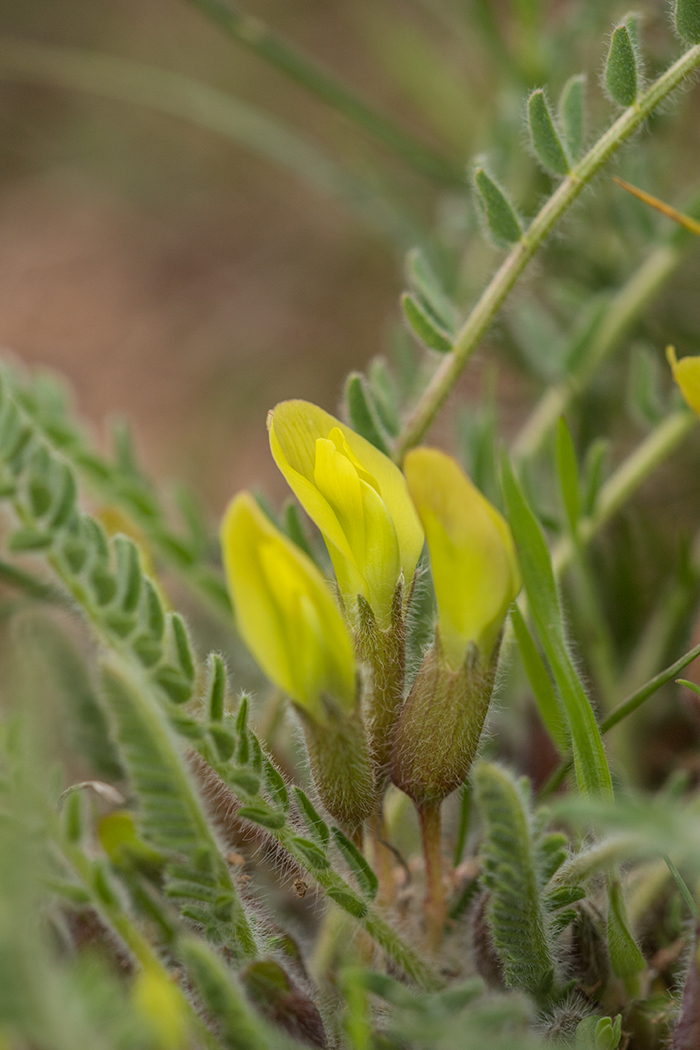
point(472, 555)
point(356, 496)
point(285, 611)
point(160, 1003)
point(686, 373)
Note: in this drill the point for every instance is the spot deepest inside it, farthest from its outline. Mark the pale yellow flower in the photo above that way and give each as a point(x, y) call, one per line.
point(285, 610)
point(686, 373)
point(472, 554)
point(356, 496)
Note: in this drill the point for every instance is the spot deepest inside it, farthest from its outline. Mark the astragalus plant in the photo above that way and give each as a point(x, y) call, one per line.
point(372, 852)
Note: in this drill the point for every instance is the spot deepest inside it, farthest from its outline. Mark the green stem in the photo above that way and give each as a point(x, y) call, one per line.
point(595, 638)
point(663, 624)
point(624, 709)
point(435, 905)
point(254, 34)
point(465, 796)
point(626, 480)
point(682, 888)
point(621, 312)
point(517, 259)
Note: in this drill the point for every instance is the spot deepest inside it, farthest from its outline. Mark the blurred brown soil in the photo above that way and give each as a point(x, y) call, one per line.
point(193, 328)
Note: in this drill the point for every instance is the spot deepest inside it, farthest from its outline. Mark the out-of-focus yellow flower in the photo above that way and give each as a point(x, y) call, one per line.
point(162, 1006)
point(686, 373)
point(356, 496)
point(471, 552)
point(285, 610)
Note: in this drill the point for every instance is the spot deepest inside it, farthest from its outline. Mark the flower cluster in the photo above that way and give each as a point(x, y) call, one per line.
point(339, 653)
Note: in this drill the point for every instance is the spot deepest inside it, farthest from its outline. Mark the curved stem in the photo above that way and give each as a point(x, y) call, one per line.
point(517, 259)
point(626, 479)
point(620, 712)
point(622, 311)
point(254, 34)
point(128, 934)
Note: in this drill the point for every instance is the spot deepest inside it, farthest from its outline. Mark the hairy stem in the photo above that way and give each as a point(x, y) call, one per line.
point(630, 704)
point(620, 314)
point(435, 905)
point(517, 259)
point(626, 480)
point(117, 920)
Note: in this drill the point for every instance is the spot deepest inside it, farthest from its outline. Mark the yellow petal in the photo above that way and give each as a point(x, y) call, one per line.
point(686, 373)
point(338, 482)
point(471, 552)
point(285, 610)
point(381, 553)
point(295, 429)
point(160, 1003)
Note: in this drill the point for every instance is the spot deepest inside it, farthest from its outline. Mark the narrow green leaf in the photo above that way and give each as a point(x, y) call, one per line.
point(366, 879)
point(65, 494)
point(625, 957)
point(224, 1000)
point(540, 682)
point(590, 762)
point(424, 326)
point(29, 539)
point(153, 613)
point(128, 573)
point(182, 645)
point(544, 135)
point(217, 687)
point(147, 649)
point(687, 18)
point(427, 287)
point(314, 822)
point(572, 114)
point(315, 856)
point(73, 816)
point(350, 903)
point(567, 469)
point(563, 897)
point(242, 715)
point(173, 682)
point(244, 779)
point(225, 742)
point(362, 413)
point(274, 782)
point(499, 214)
point(96, 538)
point(103, 583)
point(267, 818)
point(256, 755)
point(551, 854)
point(39, 482)
point(621, 68)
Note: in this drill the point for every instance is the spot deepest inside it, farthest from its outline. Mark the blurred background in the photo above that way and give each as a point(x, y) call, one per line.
point(190, 234)
point(174, 274)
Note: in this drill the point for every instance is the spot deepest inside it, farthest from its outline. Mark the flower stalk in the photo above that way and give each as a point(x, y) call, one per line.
point(435, 908)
